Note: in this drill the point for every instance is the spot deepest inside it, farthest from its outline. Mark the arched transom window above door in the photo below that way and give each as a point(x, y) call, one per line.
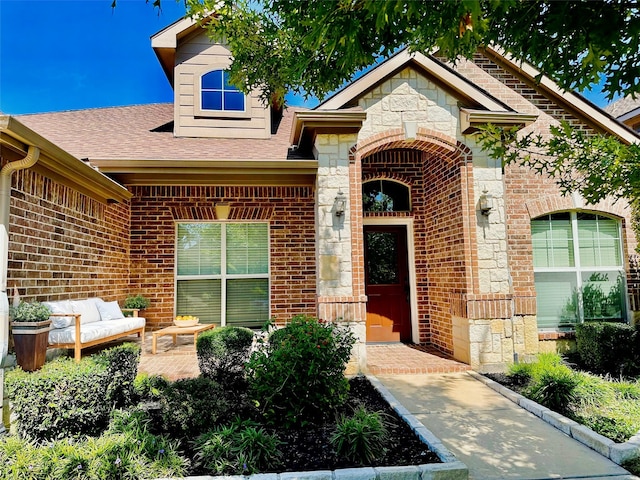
point(385, 196)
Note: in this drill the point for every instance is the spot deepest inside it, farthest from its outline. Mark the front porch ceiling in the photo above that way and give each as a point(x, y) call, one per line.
point(209, 172)
point(59, 165)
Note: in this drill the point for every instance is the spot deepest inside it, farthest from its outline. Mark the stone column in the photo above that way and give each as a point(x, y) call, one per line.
point(337, 300)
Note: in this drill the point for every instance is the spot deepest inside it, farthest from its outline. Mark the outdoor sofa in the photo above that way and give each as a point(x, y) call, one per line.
point(85, 323)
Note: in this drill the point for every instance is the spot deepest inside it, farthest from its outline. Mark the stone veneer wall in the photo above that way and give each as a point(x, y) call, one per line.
point(289, 211)
point(63, 244)
point(340, 285)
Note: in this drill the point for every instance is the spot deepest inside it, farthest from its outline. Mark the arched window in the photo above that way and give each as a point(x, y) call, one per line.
point(578, 268)
point(217, 94)
point(385, 196)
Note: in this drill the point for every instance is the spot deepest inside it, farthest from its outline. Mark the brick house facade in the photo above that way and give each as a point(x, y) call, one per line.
point(418, 262)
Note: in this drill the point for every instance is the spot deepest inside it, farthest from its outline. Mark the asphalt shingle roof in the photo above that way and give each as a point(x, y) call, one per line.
point(622, 106)
point(143, 132)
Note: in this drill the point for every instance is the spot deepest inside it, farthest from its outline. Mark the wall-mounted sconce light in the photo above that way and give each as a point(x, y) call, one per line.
point(222, 210)
point(486, 202)
point(339, 204)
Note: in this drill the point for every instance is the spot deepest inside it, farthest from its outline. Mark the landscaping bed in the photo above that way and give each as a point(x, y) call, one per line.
point(281, 406)
point(310, 448)
point(609, 408)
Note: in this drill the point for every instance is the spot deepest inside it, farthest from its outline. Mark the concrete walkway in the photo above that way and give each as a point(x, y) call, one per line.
point(493, 436)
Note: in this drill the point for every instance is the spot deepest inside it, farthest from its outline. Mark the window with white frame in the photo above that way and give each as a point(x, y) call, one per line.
point(222, 272)
point(578, 268)
point(218, 95)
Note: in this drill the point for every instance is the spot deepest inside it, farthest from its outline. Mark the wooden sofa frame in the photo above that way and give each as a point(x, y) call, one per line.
point(78, 345)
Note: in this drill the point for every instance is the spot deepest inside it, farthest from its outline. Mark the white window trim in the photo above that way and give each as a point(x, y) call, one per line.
point(198, 111)
point(577, 269)
point(223, 276)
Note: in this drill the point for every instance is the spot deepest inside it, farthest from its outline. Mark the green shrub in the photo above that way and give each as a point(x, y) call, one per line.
point(520, 373)
point(608, 348)
point(109, 457)
point(298, 375)
point(223, 353)
point(121, 363)
point(149, 387)
point(60, 400)
point(136, 301)
point(191, 406)
point(555, 388)
point(69, 399)
point(241, 448)
point(360, 438)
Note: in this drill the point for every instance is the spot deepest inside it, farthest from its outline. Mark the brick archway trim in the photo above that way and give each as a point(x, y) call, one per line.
point(557, 203)
point(427, 140)
point(432, 143)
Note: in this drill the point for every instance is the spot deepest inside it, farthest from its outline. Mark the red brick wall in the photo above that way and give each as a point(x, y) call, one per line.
point(436, 206)
point(523, 187)
point(63, 244)
point(289, 211)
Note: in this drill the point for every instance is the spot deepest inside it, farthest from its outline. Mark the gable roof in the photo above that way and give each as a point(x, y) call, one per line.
point(572, 101)
point(480, 105)
point(473, 95)
point(165, 42)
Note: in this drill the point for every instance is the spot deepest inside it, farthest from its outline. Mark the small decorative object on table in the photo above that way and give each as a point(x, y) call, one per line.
point(186, 321)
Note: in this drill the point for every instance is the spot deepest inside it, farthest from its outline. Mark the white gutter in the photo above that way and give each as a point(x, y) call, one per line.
point(5, 203)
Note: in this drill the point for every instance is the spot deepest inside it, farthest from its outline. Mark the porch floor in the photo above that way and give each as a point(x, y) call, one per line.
point(180, 361)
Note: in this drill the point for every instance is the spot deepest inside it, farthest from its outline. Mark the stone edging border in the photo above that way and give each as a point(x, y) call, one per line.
point(616, 452)
point(450, 468)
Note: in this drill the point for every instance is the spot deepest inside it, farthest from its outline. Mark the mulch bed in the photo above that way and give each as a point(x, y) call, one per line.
point(308, 448)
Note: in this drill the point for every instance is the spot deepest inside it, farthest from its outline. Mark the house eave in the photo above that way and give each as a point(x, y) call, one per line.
point(471, 120)
point(574, 102)
point(153, 172)
point(309, 123)
point(59, 165)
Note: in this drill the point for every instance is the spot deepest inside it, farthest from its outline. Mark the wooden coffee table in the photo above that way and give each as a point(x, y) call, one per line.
point(175, 331)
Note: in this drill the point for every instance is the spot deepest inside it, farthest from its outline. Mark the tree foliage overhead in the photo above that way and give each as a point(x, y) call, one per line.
point(595, 165)
point(314, 46)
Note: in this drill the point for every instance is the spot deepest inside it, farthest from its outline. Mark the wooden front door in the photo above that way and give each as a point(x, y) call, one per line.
point(387, 284)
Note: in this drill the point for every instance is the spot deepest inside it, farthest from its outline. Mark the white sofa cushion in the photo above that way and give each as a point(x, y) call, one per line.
point(87, 308)
point(95, 330)
point(61, 306)
point(109, 310)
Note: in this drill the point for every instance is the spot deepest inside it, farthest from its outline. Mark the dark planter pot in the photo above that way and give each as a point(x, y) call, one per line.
point(30, 341)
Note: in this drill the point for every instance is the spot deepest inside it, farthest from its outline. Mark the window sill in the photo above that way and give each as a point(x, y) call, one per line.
point(568, 335)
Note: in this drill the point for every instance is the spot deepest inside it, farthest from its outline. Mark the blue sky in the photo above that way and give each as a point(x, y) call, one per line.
point(73, 54)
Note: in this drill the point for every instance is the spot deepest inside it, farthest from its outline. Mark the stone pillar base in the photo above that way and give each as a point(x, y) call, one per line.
point(350, 311)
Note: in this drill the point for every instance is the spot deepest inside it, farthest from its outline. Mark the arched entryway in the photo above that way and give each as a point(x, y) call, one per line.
point(416, 198)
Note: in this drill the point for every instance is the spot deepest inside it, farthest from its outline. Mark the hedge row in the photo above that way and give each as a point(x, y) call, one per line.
point(609, 348)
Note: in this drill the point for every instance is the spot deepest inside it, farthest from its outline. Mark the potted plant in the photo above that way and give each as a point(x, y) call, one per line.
point(136, 302)
point(30, 325)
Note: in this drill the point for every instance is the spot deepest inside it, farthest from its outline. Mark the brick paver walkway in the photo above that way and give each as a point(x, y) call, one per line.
point(181, 362)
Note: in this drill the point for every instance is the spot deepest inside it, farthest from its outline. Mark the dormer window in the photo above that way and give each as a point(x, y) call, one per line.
point(217, 94)
point(216, 97)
